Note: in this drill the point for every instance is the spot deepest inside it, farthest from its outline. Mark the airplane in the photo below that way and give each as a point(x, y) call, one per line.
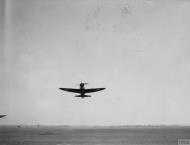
point(1, 116)
point(82, 91)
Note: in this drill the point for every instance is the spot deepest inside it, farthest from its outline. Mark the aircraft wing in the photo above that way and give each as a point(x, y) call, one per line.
point(1, 116)
point(93, 90)
point(71, 90)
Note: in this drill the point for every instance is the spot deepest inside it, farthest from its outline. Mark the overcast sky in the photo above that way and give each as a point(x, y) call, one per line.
point(137, 49)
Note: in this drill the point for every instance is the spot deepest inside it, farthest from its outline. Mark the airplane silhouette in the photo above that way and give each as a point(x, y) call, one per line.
point(82, 91)
point(1, 116)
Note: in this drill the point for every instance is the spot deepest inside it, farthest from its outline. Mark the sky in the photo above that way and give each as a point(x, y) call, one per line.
point(138, 50)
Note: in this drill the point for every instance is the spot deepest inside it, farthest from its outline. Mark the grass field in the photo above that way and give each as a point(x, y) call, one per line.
point(92, 135)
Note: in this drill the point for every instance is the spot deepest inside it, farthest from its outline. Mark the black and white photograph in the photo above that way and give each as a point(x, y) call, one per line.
point(94, 72)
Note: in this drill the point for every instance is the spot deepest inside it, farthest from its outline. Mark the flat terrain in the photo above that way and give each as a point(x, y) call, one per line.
point(92, 135)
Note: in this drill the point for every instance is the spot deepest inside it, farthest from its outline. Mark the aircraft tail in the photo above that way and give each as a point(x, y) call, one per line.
point(82, 96)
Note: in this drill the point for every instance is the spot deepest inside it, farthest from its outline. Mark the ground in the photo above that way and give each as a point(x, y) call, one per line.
point(59, 135)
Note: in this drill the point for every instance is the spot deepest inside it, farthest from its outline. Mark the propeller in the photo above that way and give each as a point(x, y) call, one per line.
point(82, 83)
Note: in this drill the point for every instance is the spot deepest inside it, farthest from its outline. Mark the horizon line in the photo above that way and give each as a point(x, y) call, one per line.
point(138, 125)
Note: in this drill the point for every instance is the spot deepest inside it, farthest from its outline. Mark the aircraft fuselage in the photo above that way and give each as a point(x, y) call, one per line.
point(82, 91)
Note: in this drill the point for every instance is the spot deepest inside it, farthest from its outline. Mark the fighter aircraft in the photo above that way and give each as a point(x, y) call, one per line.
point(82, 91)
point(1, 116)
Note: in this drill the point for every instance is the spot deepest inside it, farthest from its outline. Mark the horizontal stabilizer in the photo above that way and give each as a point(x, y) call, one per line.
point(82, 96)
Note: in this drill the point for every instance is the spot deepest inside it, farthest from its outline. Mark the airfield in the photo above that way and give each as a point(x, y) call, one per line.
point(67, 135)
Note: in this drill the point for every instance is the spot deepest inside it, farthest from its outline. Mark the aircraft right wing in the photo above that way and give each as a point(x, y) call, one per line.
point(71, 90)
point(93, 90)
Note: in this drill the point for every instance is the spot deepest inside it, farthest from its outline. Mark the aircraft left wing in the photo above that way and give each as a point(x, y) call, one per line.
point(1, 116)
point(93, 90)
point(71, 90)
